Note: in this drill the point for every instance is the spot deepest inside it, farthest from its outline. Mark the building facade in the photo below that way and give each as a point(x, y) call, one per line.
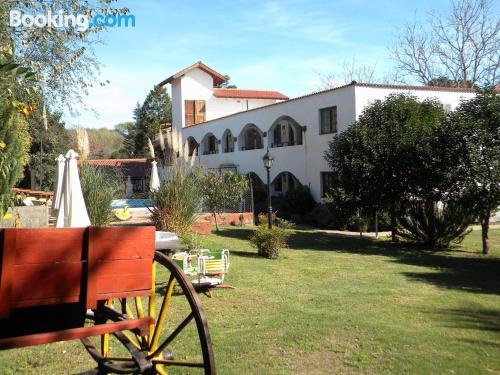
point(232, 128)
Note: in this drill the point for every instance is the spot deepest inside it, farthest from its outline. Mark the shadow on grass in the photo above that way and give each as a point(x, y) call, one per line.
point(235, 233)
point(470, 318)
point(448, 269)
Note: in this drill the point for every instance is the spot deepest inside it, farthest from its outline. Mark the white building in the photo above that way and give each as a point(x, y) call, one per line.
point(232, 128)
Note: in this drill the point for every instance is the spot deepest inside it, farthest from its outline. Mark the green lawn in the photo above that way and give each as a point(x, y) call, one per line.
point(334, 304)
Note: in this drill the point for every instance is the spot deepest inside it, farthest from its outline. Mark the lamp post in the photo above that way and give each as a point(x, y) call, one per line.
point(268, 163)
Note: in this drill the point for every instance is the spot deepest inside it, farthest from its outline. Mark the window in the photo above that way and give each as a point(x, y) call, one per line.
point(194, 112)
point(326, 183)
point(328, 120)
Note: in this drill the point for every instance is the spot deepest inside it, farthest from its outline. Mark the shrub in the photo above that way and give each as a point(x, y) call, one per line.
point(177, 201)
point(99, 188)
point(269, 242)
point(435, 223)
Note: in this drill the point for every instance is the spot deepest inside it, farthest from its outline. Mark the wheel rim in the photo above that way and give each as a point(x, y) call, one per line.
point(180, 328)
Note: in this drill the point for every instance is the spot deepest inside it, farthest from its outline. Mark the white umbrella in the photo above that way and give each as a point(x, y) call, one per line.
point(129, 187)
point(56, 199)
point(154, 183)
point(72, 211)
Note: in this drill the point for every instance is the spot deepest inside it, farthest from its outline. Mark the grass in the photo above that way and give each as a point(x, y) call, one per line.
point(335, 304)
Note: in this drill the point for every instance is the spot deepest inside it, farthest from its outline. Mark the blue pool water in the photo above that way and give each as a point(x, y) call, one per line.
point(131, 203)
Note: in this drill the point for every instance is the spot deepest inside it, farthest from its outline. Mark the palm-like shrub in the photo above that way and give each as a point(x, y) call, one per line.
point(435, 223)
point(99, 188)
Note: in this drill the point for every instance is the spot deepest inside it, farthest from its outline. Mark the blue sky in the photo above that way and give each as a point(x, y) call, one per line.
point(274, 45)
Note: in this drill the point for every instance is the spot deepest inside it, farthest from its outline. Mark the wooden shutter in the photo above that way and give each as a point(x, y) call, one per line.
point(189, 112)
point(199, 109)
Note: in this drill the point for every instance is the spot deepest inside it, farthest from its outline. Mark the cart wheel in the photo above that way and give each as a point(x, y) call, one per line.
point(179, 338)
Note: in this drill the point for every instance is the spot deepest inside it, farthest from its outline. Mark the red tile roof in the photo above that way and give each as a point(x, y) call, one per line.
point(129, 167)
point(249, 94)
point(115, 162)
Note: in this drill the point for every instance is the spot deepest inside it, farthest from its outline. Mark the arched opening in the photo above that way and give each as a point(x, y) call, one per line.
point(192, 145)
point(251, 138)
point(209, 145)
point(283, 182)
point(228, 141)
point(285, 131)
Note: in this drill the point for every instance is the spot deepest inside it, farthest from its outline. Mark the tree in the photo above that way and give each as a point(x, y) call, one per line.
point(470, 140)
point(383, 159)
point(148, 118)
point(127, 130)
point(222, 190)
point(103, 143)
point(62, 58)
point(463, 46)
point(47, 132)
point(156, 110)
point(14, 146)
point(351, 71)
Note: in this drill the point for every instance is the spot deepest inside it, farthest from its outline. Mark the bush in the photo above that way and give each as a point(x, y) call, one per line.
point(177, 201)
point(435, 223)
point(269, 242)
point(99, 188)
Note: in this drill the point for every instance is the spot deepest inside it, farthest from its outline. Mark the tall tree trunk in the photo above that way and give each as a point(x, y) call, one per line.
point(485, 225)
point(215, 219)
point(394, 238)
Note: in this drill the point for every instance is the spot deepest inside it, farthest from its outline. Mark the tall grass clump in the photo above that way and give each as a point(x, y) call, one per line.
point(179, 197)
point(99, 188)
point(178, 200)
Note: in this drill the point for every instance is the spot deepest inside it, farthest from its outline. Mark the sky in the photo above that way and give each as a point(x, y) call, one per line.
point(270, 45)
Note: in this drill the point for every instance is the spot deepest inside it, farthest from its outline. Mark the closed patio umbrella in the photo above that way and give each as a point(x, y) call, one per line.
point(72, 211)
point(129, 187)
point(154, 183)
point(56, 199)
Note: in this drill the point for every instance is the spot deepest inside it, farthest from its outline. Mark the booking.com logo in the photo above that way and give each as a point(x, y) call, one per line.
point(80, 22)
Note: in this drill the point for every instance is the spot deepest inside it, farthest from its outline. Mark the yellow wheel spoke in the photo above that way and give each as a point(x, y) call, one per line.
point(152, 297)
point(162, 314)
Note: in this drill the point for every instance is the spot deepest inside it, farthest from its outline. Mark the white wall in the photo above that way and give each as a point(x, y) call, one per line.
point(304, 161)
point(198, 85)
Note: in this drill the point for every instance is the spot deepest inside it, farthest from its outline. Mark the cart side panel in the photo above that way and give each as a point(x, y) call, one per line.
point(119, 262)
point(47, 265)
point(6, 270)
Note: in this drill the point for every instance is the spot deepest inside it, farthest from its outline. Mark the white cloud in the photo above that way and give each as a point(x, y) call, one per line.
point(283, 19)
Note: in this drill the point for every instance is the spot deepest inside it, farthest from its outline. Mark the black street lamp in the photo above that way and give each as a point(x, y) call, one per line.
point(268, 163)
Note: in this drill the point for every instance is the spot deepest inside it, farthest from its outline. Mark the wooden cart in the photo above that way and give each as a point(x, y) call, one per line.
point(132, 308)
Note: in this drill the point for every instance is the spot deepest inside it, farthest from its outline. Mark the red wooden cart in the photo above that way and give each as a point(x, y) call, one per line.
point(102, 286)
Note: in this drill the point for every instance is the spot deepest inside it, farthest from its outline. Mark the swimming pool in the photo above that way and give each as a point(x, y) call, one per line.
point(131, 203)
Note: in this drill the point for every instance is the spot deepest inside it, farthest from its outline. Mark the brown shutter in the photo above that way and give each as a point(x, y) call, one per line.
point(199, 108)
point(189, 112)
